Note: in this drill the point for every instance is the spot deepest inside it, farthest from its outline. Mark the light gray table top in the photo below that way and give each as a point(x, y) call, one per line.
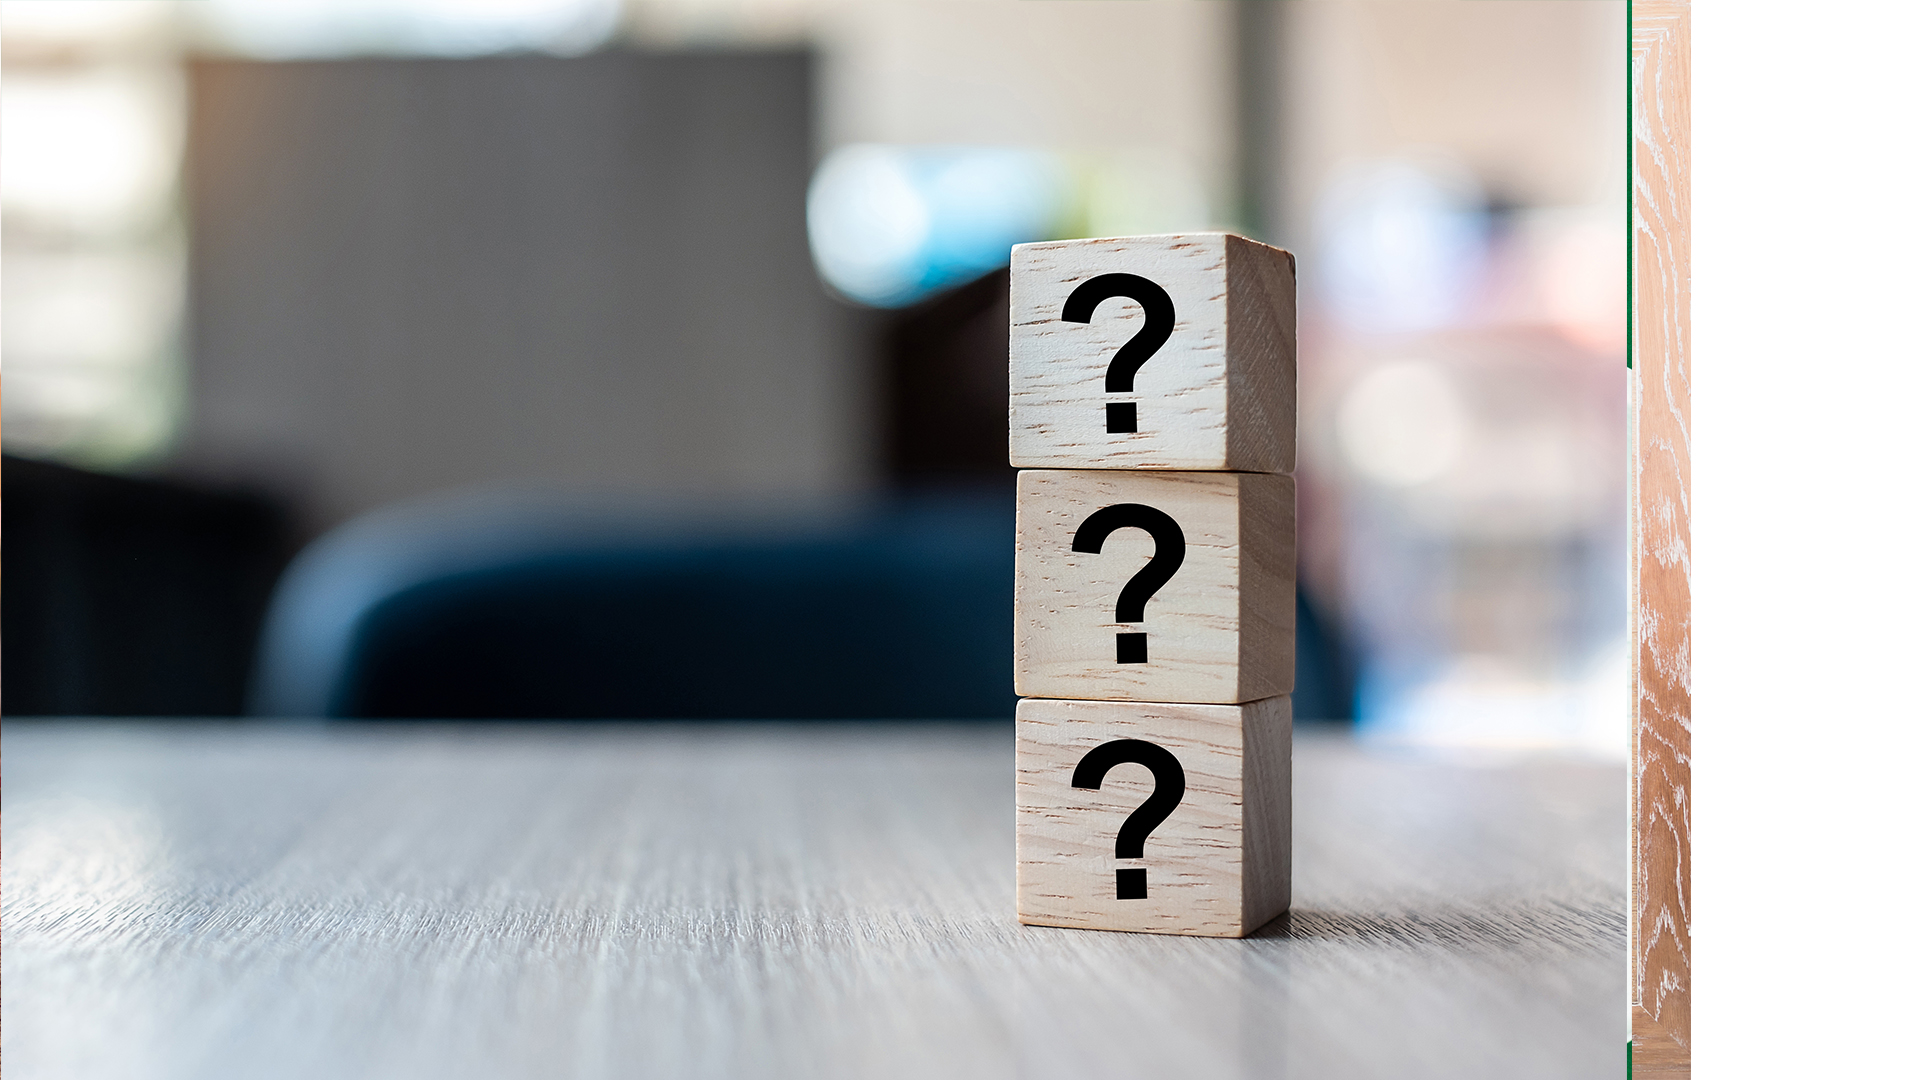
point(760, 900)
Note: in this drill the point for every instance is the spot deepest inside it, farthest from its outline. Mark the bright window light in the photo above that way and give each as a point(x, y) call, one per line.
point(88, 152)
point(89, 344)
point(305, 29)
point(85, 22)
point(92, 111)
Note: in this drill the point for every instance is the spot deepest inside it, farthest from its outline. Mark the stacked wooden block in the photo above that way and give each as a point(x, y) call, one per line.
point(1152, 416)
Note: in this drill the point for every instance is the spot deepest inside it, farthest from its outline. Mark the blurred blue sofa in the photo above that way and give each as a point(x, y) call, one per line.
point(540, 606)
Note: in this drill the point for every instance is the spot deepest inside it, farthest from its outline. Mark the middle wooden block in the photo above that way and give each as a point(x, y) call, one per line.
point(1153, 586)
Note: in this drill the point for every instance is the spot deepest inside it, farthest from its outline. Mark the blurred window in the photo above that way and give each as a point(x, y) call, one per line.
point(91, 103)
point(93, 106)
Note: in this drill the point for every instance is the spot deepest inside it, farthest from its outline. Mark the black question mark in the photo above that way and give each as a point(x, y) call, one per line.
point(1122, 419)
point(1169, 787)
point(1169, 551)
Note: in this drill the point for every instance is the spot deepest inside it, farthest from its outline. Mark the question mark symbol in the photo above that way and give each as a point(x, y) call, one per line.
point(1122, 419)
point(1169, 551)
point(1169, 787)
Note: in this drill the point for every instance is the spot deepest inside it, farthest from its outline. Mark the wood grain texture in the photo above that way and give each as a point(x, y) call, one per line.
point(1219, 394)
point(1656, 1057)
point(1220, 631)
point(1662, 946)
point(1217, 866)
point(218, 901)
point(1262, 358)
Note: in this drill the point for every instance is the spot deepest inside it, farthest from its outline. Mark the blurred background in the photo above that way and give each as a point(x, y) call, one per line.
point(647, 357)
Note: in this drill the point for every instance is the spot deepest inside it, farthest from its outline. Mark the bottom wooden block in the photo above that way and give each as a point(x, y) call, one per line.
point(1168, 819)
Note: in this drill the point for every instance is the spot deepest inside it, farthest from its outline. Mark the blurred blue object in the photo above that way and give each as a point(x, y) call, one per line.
point(891, 225)
point(1323, 668)
point(1405, 245)
point(518, 607)
point(507, 607)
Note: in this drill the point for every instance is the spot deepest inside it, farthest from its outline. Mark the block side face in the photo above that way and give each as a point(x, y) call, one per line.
point(1029, 575)
point(1268, 557)
point(1066, 602)
point(1267, 880)
point(1065, 836)
point(1262, 358)
point(1057, 416)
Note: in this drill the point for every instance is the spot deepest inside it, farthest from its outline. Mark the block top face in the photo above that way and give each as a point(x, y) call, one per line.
point(1152, 352)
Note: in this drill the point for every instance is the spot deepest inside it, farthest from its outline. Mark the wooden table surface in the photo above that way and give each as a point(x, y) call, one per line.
point(247, 900)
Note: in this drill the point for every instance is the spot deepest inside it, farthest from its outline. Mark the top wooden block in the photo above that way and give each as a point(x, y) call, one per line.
point(1153, 352)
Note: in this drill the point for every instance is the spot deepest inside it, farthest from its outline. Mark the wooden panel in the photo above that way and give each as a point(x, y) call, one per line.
point(1215, 390)
point(1662, 807)
point(1656, 1056)
point(1220, 630)
point(1217, 863)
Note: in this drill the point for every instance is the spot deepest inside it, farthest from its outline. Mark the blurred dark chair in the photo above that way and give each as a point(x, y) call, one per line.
point(540, 608)
point(518, 608)
point(132, 596)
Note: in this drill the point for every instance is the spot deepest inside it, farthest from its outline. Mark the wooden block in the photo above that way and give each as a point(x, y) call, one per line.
point(1153, 352)
point(1089, 544)
point(1168, 819)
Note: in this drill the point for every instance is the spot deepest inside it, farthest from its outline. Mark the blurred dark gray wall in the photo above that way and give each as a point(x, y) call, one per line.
point(410, 275)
